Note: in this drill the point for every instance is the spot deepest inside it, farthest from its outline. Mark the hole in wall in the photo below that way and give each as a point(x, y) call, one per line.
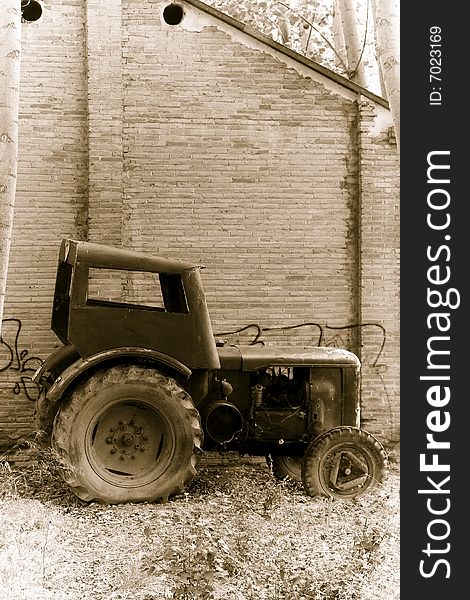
point(31, 10)
point(173, 14)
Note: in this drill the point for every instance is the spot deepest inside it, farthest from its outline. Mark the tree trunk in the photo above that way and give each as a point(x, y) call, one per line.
point(383, 91)
point(387, 27)
point(338, 34)
point(354, 40)
point(10, 51)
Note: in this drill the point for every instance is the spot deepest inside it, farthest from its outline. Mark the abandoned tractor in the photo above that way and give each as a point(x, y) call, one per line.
point(140, 387)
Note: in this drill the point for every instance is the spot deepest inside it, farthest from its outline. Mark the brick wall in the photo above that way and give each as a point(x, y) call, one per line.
point(200, 142)
point(239, 164)
point(105, 92)
point(50, 202)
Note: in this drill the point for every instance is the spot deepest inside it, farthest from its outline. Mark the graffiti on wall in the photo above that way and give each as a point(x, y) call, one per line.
point(323, 335)
point(17, 359)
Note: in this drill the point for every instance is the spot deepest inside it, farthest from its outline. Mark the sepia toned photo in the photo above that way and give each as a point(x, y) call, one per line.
point(200, 300)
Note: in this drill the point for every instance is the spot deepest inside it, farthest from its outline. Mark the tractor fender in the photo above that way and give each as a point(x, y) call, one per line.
point(70, 374)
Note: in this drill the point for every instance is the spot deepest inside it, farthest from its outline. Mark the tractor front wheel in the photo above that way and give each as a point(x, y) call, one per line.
point(286, 466)
point(128, 434)
point(343, 463)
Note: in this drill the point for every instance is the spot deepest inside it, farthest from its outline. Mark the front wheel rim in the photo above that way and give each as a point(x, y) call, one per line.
point(345, 470)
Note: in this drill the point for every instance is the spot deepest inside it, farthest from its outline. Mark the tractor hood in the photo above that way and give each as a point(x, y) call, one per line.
point(251, 358)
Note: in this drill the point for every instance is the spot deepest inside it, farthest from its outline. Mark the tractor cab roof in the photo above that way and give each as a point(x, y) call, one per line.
point(101, 256)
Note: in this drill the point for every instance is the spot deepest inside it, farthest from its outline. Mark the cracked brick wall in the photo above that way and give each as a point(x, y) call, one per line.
point(200, 142)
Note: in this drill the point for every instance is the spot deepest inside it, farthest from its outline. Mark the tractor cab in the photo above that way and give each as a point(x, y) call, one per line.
point(107, 298)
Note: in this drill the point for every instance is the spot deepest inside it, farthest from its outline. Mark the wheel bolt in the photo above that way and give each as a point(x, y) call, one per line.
point(109, 440)
point(122, 457)
point(127, 439)
point(113, 450)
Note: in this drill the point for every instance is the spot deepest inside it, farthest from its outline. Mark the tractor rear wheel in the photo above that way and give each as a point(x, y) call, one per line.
point(343, 463)
point(128, 434)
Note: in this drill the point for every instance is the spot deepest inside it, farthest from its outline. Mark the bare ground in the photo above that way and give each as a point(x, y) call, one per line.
point(235, 534)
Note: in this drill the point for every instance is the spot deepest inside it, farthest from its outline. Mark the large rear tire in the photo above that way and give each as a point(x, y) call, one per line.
point(343, 463)
point(128, 434)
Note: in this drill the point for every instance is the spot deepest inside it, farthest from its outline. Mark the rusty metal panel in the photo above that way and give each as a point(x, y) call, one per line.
point(326, 396)
point(93, 329)
point(257, 357)
point(351, 399)
point(230, 358)
point(201, 319)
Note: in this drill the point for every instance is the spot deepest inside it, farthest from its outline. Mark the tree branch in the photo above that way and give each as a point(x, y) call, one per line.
point(312, 26)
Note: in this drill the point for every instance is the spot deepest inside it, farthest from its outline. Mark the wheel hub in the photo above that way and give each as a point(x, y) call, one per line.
point(346, 469)
point(127, 438)
point(121, 442)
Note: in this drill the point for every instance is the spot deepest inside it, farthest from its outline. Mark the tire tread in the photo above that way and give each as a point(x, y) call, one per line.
point(114, 376)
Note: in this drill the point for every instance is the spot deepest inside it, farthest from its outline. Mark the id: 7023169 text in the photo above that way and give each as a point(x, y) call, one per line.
point(435, 65)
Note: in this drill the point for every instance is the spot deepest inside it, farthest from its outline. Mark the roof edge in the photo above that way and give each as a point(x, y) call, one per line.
point(300, 58)
point(105, 256)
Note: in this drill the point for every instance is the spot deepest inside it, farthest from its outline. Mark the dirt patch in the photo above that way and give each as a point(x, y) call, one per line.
point(235, 534)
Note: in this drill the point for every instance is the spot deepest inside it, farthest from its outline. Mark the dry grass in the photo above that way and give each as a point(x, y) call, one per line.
point(236, 534)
